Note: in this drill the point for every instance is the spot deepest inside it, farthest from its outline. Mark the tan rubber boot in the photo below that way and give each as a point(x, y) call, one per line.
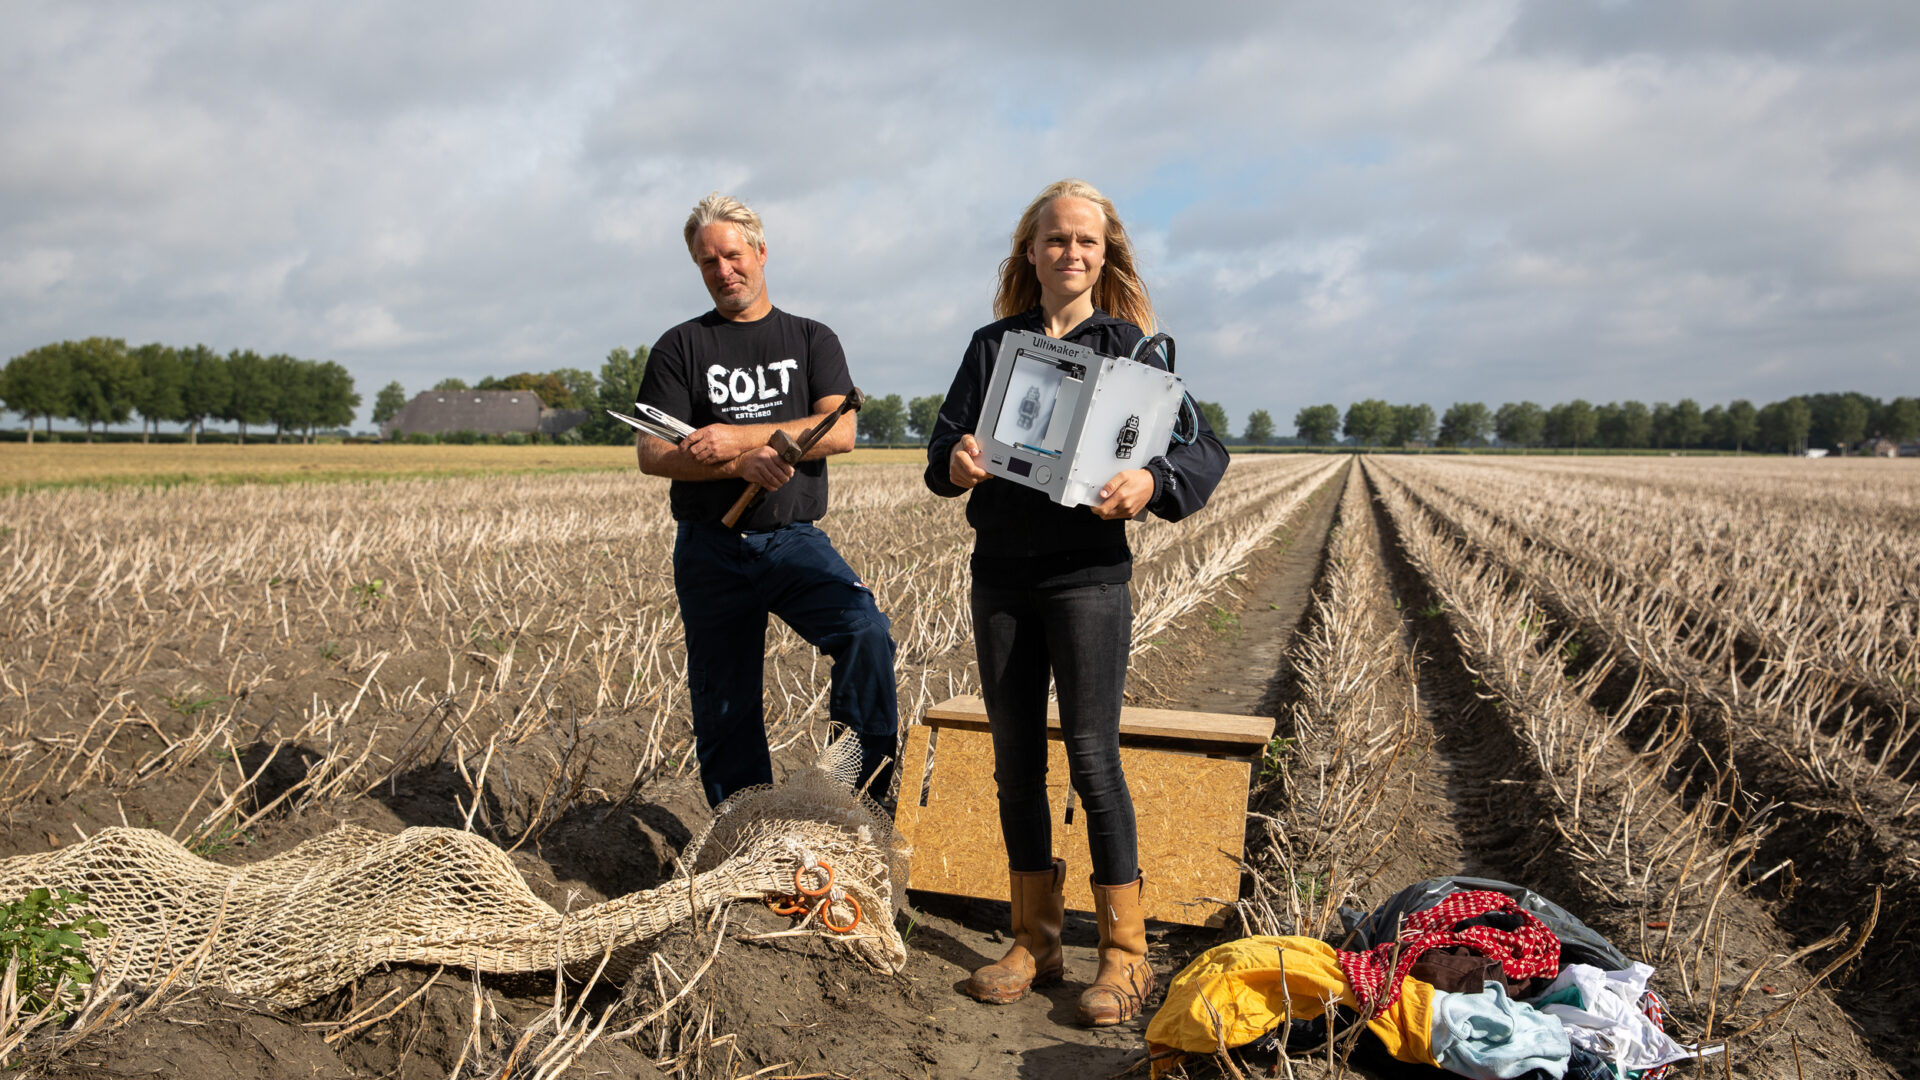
point(1035, 959)
point(1124, 979)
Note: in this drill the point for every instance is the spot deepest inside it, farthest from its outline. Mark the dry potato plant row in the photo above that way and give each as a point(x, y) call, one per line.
point(1342, 785)
point(375, 627)
point(1868, 492)
point(1828, 578)
point(1677, 872)
point(1805, 706)
point(1847, 829)
point(1180, 574)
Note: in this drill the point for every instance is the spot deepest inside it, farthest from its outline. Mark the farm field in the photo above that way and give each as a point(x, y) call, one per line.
point(1672, 696)
point(117, 464)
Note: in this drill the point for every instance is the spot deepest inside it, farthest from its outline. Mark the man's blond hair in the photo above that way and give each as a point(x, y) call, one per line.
point(718, 207)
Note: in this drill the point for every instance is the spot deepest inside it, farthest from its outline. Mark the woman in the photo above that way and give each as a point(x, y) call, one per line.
point(1050, 597)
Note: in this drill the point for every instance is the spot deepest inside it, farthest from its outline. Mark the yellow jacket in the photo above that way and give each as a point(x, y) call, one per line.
point(1255, 983)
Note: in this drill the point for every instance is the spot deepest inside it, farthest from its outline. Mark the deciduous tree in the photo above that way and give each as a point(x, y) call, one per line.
point(104, 376)
point(1624, 425)
point(208, 390)
point(1686, 427)
point(1412, 424)
point(884, 419)
point(581, 385)
point(617, 388)
point(1316, 424)
point(1259, 428)
point(1743, 424)
point(923, 413)
point(1520, 423)
point(296, 397)
point(1900, 420)
point(335, 399)
point(1571, 424)
point(388, 402)
point(1369, 422)
point(549, 388)
point(161, 382)
point(1785, 424)
point(1465, 423)
point(1216, 418)
point(36, 384)
point(254, 393)
point(1848, 423)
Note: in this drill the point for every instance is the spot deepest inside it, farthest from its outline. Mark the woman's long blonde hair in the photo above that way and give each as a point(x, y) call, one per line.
point(1119, 291)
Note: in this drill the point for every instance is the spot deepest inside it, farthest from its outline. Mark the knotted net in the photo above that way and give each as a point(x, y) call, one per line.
point(300, 925)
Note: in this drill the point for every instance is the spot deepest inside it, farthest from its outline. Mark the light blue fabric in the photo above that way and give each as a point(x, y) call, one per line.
point(1490, 1036)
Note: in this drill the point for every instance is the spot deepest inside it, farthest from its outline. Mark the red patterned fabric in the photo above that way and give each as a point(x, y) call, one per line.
point(1527, 953)
point(1656, 1011)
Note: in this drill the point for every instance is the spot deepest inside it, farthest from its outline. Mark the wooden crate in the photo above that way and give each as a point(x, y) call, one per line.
point(1189, 774)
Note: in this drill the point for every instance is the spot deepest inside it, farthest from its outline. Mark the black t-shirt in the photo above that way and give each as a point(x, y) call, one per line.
point(712, 370)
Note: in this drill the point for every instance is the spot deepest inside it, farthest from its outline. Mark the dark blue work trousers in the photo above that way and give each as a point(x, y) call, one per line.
point(1080, 635)
point(727, 583)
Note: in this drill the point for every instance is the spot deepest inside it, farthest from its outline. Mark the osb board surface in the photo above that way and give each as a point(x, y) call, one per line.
point(1241, 734)
point(1190, 813)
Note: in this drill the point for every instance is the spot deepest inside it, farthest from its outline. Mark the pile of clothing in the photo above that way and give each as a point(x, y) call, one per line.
point(1475, 977)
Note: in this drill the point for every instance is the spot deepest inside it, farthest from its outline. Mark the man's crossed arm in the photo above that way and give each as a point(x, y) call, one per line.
point(740, 451)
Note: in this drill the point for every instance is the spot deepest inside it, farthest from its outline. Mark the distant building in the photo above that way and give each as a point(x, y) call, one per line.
point(1879, 448)
point(488, 412)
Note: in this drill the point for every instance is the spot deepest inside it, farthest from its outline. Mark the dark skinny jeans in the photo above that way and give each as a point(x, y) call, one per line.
point(728, 583)
point(1080, 635)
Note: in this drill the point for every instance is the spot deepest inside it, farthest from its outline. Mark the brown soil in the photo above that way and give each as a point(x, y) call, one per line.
point(792, 1006)
point(1231, 655)
point(1495, 797)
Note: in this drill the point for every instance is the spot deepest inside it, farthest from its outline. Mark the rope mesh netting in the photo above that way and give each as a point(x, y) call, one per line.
point(300, 925)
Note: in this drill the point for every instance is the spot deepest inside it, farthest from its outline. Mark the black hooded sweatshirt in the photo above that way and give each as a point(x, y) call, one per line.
point(1023, 539)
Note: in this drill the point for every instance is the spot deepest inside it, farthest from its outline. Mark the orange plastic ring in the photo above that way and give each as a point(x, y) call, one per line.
point(800, 880)
point(786, 905)
point(826, 916)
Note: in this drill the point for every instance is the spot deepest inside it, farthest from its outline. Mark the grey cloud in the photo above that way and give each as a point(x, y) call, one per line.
point(1485, 201)
point(1786, 28)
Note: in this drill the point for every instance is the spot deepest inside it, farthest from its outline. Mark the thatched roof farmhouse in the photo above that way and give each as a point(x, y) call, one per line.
point(488, 412)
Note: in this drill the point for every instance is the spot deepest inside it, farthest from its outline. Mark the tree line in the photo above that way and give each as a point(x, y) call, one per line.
point(102, 381)
point(1818, 420)
point(615, 387)
point(884, 420)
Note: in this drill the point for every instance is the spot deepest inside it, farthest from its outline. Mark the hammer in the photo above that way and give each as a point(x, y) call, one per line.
point(791, 452)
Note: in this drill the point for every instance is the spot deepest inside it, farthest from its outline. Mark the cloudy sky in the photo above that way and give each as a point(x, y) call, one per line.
point(1483, 200)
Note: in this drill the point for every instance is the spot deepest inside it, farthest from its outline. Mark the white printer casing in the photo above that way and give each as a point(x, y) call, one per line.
point(1063, 419)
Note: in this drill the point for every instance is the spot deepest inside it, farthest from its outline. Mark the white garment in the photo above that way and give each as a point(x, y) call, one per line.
point(1611, 1025)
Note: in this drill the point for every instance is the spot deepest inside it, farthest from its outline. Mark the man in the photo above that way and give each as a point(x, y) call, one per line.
point(737, 373)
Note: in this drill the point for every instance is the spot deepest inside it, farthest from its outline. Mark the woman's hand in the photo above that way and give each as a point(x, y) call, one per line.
point(964, 467)
point(1125, 495)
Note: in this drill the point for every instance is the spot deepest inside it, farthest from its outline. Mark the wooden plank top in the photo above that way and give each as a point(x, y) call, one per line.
point(1171, 729)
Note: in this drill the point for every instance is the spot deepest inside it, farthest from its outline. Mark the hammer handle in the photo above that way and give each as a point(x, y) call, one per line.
point(740, 505)
point(791, 452)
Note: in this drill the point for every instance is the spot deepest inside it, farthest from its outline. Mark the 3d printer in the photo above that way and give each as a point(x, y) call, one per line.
point(1064, 419)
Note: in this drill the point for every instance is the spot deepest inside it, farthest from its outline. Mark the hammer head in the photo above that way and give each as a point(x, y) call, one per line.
point(784, 445)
